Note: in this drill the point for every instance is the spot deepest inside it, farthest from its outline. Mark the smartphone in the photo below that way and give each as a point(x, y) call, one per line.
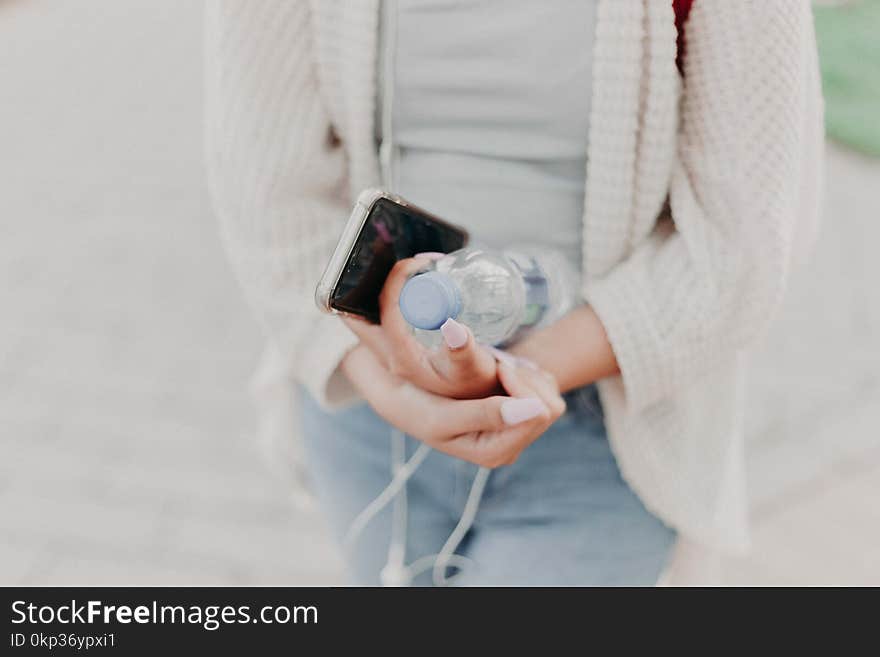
point(383, 228)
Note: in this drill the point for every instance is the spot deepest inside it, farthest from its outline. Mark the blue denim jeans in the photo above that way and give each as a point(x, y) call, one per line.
point(561, 515)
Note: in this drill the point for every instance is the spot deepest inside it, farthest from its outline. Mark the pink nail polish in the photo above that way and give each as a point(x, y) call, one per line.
point(429, 255)
point(515, 411)
point(455, 334)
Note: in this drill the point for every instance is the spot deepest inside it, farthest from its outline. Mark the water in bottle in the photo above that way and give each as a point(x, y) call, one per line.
point(498, 295)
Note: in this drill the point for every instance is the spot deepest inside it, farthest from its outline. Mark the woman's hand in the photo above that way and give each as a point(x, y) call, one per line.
point(490, 432)
point(460, 369)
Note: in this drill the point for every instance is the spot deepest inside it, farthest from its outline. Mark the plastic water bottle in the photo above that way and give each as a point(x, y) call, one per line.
point(498, 295)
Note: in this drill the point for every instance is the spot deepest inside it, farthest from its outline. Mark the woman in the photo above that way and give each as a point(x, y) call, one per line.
point(682, 197)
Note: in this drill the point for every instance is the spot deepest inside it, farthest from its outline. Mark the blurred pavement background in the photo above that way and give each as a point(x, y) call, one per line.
point(126, 454)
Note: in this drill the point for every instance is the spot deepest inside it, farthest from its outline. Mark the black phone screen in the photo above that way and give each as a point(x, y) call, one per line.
point(390, 233)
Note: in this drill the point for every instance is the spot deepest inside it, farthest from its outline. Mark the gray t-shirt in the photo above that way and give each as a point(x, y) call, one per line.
point(490, 114)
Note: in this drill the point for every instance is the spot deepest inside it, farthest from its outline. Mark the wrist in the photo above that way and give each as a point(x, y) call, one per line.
point(575, 350)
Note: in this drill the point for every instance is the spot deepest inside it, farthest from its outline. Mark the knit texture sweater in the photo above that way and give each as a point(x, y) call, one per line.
point(701, 191)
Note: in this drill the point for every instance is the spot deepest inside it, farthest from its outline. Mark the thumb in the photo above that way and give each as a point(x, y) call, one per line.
point(460, 356)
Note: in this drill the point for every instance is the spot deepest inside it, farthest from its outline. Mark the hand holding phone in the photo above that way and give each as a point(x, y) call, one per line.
point(363, 281)
point(460, 368)
point(383, 229)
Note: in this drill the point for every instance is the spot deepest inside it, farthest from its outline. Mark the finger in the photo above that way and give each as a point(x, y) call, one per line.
point(389, 310)
point(526, 418)
point(494, 449)
point(366, 331)
point(461, 358)
point(517, 361)
point(524, 381)
point(405, 406)
point(513, 381)
point(408, 354)
point(461, 416)
point(370, 335)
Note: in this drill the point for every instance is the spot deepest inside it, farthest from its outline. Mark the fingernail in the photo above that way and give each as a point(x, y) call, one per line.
point(526, 362)
point(430, 255)
point(514, 411)
point(503, 356)
point(455, 334)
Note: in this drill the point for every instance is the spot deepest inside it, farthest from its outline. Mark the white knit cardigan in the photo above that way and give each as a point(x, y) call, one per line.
point(699, 194)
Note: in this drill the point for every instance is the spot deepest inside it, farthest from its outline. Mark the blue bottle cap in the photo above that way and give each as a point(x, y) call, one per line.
point(427, 300)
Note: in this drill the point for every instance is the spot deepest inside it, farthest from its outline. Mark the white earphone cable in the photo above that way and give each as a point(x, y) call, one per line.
point(396, 572)
point(447, 552)
point(386, 146)
point(385, 497)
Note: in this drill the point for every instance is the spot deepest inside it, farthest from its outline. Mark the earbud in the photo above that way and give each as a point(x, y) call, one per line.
point(395, 575)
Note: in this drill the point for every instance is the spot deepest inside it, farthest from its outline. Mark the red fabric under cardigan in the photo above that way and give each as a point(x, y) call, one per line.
point(682, 9)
